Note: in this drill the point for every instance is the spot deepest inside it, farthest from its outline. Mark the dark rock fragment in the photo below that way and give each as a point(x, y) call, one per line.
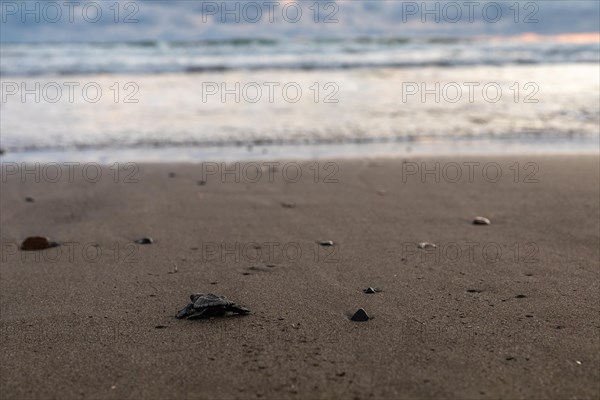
point(360, 315)
point(371, 290)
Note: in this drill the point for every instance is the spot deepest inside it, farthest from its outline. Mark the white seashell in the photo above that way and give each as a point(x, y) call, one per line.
point(481, 221)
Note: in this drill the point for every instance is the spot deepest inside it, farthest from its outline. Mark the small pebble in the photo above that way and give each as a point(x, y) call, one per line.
point(145, 240)
point(360, 315)
point(175, 270)
point(288, 205)
point(171, 174)
point(371, 290)
point(520, 296)
point(426, 245)
point(160, 326)
point(201, 183)
point(37, 243)
point(481, 221)
point(326, 242)
point(29, 199)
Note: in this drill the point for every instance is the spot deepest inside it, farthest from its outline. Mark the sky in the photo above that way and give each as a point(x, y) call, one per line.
point(191, 20)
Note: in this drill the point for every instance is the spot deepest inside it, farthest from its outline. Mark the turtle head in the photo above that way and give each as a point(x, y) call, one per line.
point(195, 296)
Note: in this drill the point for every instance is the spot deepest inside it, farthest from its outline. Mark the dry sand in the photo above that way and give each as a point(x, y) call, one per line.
point(447, 324)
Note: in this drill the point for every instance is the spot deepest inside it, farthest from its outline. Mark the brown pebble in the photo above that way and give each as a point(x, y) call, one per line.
point(37, 243)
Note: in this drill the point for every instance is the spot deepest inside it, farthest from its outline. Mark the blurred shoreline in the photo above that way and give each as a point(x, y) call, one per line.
point(551, 107)
point(169, 101)
point(395, 149)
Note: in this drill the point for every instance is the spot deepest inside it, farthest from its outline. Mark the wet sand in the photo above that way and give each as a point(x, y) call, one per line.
point(508, 310)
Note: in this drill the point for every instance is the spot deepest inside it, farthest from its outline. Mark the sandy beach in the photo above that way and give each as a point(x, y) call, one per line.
point(509, 310)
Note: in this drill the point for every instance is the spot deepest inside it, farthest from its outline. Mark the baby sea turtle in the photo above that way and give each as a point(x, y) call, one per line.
point(206, 305)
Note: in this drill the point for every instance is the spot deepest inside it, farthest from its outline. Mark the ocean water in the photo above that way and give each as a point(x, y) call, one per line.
point(248, 98)
point(154, 57)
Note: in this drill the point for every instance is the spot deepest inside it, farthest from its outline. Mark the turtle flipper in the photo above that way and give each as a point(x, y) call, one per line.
point(184, 312)
point(238, 310)
point(198, 314)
